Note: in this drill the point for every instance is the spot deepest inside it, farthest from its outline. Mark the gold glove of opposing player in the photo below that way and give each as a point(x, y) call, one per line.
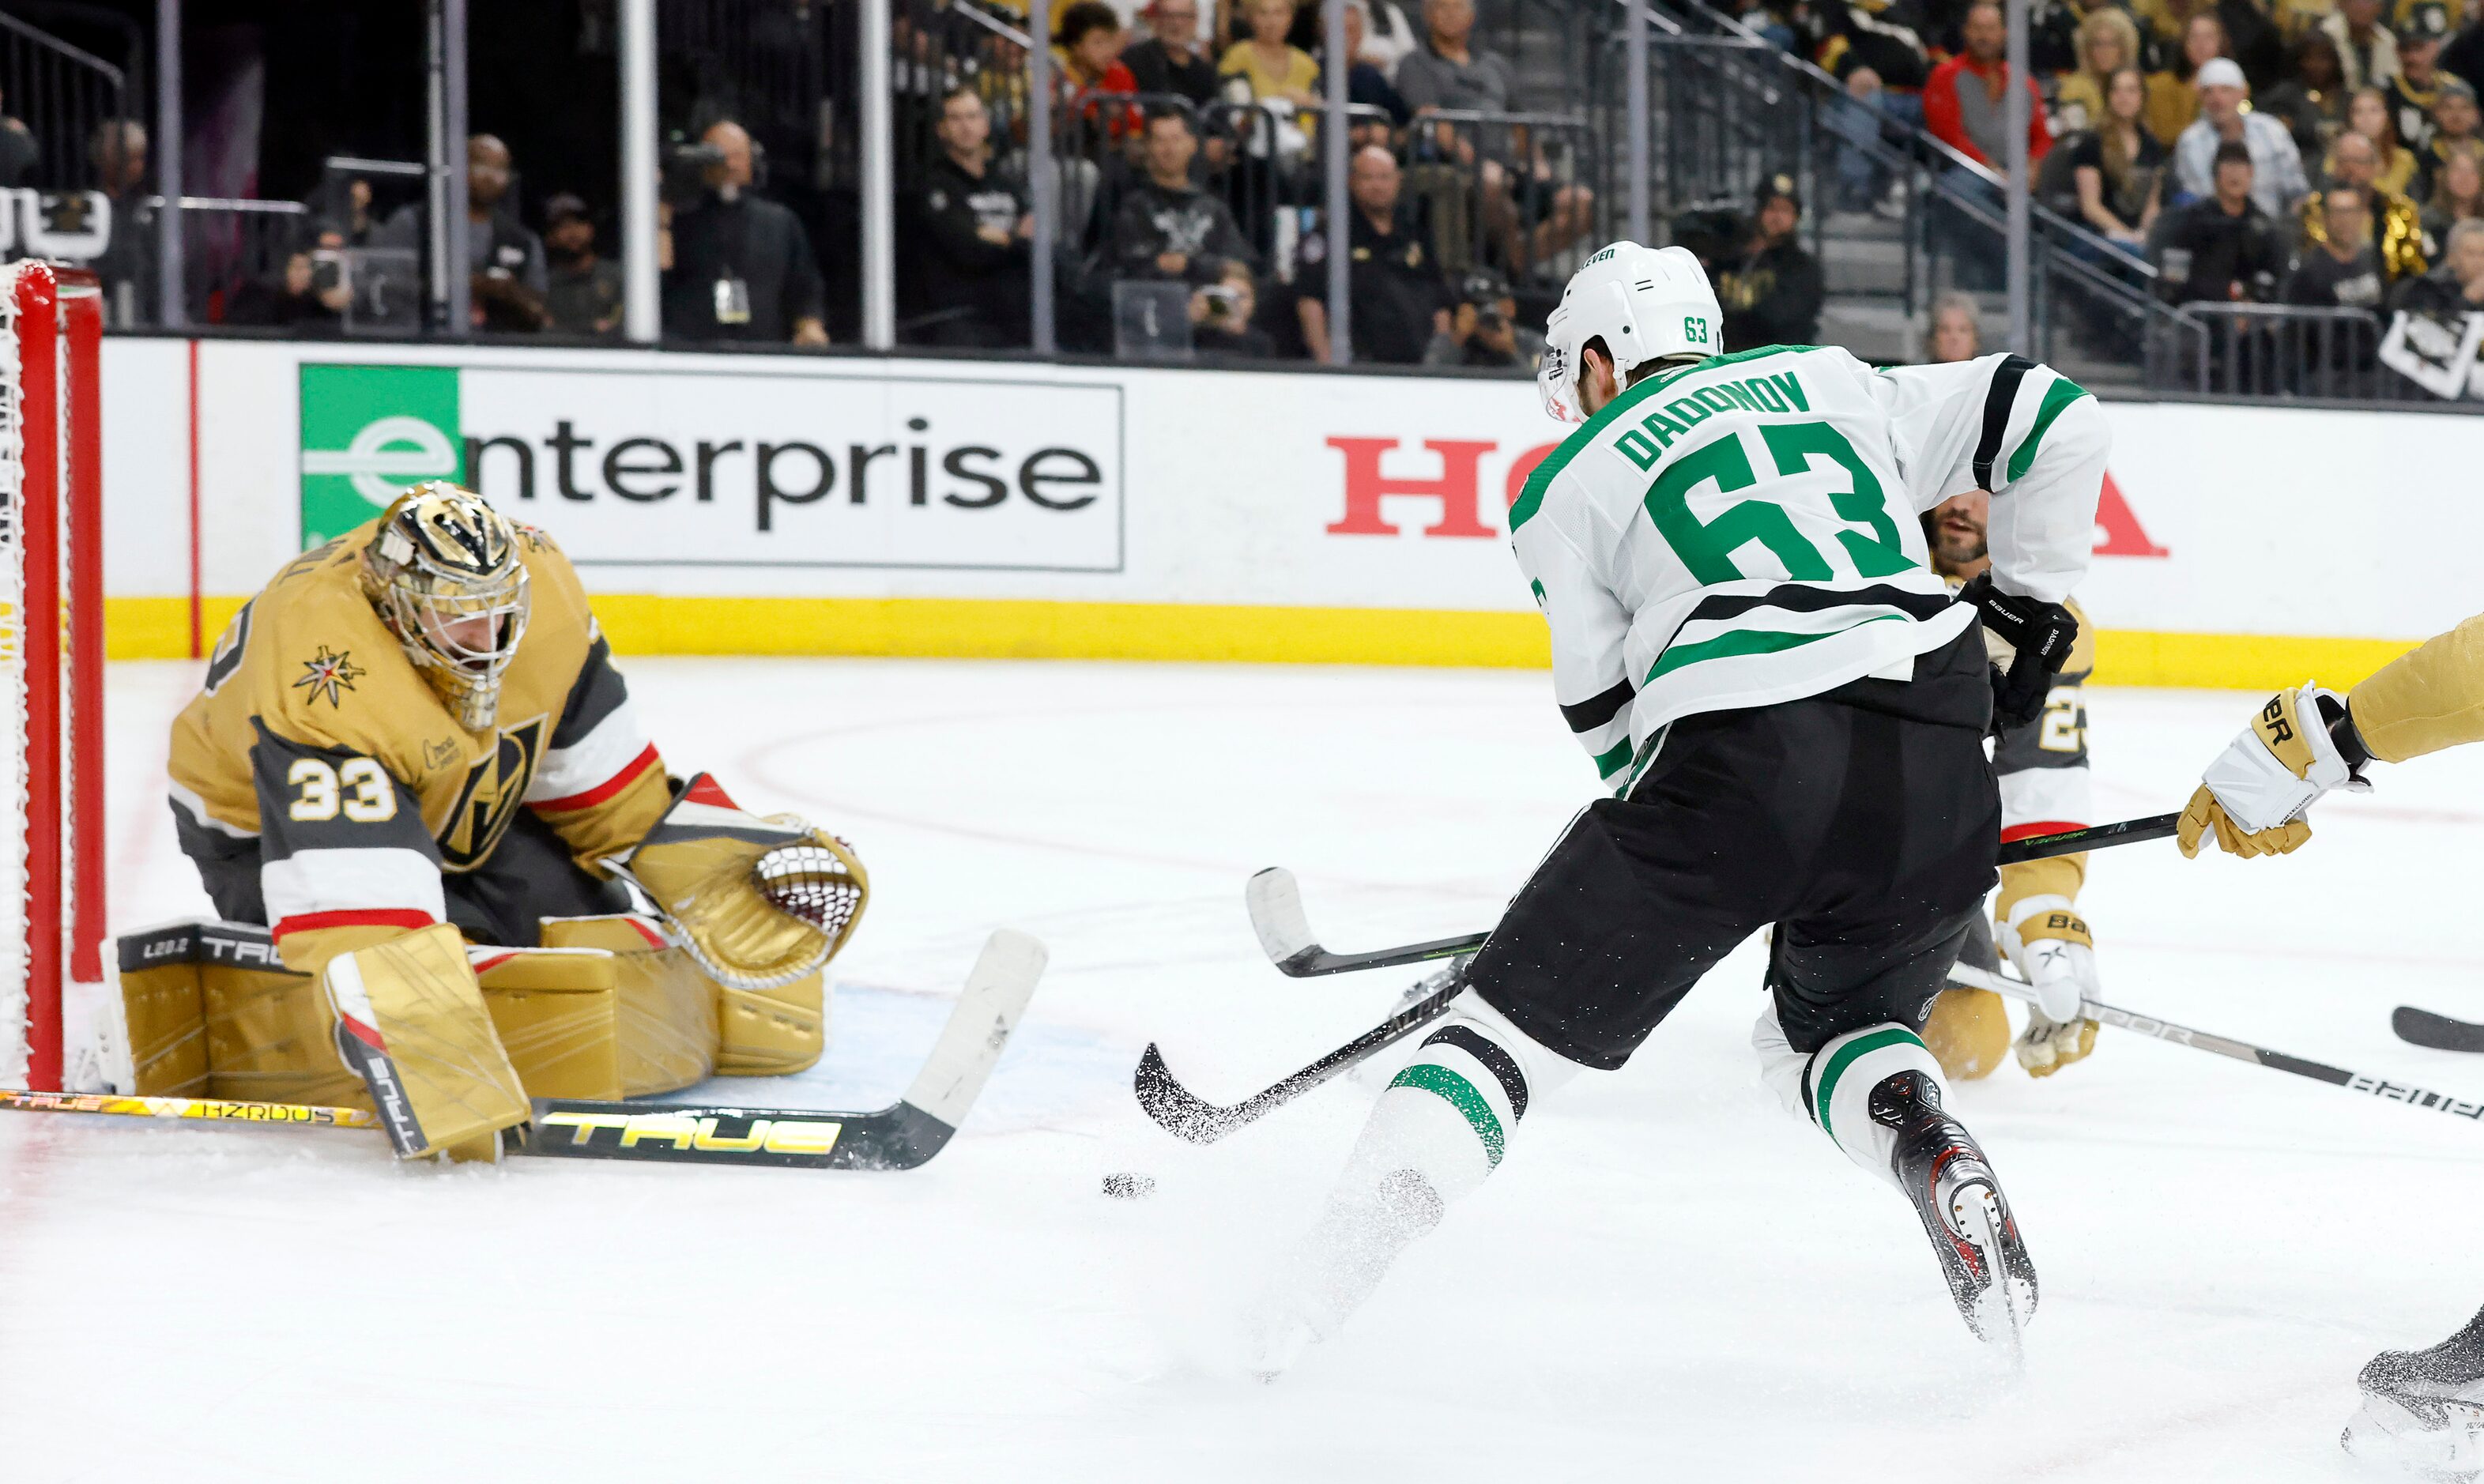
point(2255, 795)
point(758, 902)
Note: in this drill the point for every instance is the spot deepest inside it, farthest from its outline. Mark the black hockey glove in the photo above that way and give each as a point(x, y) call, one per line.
point(2040, 631)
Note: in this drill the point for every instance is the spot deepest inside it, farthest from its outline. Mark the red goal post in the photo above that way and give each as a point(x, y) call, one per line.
point(51, 659)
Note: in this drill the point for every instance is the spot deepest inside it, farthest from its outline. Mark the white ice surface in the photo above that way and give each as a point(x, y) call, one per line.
point(1668, 1278)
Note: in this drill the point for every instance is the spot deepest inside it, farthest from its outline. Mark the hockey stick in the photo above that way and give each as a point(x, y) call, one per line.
point(901, 1136)
point(213, 1109)
point(1185, 1115)
point(906, 1133)
point(1285, 929)
point(2440, 1033)
point(2241, 1051)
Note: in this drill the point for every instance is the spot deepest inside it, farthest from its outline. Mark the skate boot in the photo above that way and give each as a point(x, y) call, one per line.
point(1334, 1268)
point(1944, 1172)
point(2423, 1410)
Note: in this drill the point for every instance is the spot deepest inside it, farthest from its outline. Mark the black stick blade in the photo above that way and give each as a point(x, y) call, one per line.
point(1176, 1109)
point(2423, 1028)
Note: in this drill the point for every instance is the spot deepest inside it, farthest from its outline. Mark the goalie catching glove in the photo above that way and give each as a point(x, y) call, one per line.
point(2256, 794)
point(757, 903)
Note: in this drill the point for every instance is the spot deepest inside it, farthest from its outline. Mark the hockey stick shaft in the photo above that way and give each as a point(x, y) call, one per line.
point(2241, 1051)
point(220, 1110)
point(1285, 930)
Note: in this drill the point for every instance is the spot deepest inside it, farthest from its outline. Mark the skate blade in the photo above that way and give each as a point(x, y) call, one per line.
point(2387, 1438)
point(1999, 1314)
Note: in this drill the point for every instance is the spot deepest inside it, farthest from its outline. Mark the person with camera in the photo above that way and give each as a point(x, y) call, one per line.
point(1483, 332)
point(1773, 291)
point(966, 276)
point(1222, 315)
point(736, 265)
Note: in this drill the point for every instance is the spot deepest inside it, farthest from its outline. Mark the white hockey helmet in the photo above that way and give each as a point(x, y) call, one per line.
point(1643, 303)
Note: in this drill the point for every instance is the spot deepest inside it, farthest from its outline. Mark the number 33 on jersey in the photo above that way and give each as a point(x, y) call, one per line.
point(1745, 529)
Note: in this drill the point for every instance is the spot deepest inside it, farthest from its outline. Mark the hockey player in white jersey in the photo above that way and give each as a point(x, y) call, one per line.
point(1790, 711)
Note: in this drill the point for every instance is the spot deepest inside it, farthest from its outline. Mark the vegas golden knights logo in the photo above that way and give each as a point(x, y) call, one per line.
point(494, 790)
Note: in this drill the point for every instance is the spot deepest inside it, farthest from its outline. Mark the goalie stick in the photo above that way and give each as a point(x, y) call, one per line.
point(1285, 929)
point(2241, 1051)
point(901, 1136)
point(2440, 1033)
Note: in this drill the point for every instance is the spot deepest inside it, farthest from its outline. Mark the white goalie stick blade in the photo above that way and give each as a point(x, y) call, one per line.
point(901, 1136)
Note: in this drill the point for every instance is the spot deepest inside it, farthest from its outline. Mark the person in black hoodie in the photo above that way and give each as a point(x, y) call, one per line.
point(1169, 229)
point(966, 277)
point(1771, 291)
point(2220, 247)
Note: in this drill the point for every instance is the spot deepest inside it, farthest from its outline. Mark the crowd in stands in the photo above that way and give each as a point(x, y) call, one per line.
point(2322, 153)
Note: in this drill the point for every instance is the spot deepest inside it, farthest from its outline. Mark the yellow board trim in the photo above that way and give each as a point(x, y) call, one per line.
point(1026, 629)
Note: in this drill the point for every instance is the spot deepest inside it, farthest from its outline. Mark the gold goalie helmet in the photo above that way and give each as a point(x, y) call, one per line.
point(445, 575)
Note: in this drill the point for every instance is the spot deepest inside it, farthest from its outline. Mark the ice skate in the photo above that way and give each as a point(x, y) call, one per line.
point(1944, 1172)
point(2423, 1410)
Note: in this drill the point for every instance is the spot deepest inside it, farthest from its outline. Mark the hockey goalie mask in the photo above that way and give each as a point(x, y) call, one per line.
point(445, 575)
point(1643, 303)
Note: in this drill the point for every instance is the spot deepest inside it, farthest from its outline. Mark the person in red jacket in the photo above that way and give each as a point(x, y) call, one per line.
point(1965, 102)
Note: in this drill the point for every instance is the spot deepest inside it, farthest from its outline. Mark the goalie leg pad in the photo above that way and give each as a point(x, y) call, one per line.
point(1968, 1033)
point(165, 1010)
point(555, 1010)
point(410, 1021)
point(665, 1009)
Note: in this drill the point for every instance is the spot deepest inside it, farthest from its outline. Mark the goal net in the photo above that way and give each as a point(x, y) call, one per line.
point(51, 661)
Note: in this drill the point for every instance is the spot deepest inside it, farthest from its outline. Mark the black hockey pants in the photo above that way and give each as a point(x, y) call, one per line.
point(1863, 822)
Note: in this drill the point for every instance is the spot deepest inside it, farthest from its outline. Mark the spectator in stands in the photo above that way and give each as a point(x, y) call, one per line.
point(2398, 225)
point(18, 152)
point(117, 150)
point(736, 265)
point(291, 298)
point(2223, 247)
point(1399, 298)
point(1367, 82)
point(2364, 44)
point(1169, 229)
point(1773, 291)
point(966, 273)
point(2367, 113)
point(2457, 287)
point(2413, 93)
point(1088, 47)
point(2457, 196)
point(1271, 67)
point(2312, 103)
point(584, 296)
point(2108, 40)
point(2173, 95)
point(2455, 122)
point(1450, 72)
point(1169, 59)
point(2119, 168)
point(2277, 169)
point(2344, 271)
point(344, 207)
point(2246, 34)
point(1883, 39)
point(1865, 178)
point(1388, 38)
point(1223, 316)
point(1966, 103)
point(510, 274)
point(1958, 330)
point(1483, 333)
point(2464, 56)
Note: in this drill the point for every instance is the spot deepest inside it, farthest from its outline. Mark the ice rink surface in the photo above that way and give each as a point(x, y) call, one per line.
point(1670, 1278)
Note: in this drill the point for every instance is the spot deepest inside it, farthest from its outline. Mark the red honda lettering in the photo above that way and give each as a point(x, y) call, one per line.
point(1456, 488)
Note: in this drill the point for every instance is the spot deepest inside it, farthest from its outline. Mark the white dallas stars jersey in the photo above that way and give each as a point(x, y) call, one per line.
point(1744, 530)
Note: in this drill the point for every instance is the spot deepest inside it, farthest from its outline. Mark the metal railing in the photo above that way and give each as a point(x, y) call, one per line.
point(2282, 350)
point(64, 95)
